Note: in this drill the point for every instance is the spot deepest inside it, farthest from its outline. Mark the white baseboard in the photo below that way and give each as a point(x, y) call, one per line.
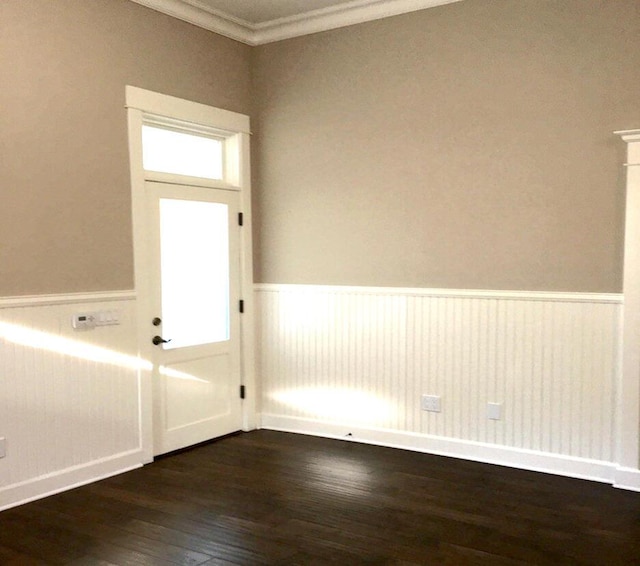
point(627, 478)
point(50, 484)
point(594, 470)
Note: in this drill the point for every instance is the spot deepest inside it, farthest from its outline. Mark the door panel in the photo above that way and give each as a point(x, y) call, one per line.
point(194, 248)
point(195, 389)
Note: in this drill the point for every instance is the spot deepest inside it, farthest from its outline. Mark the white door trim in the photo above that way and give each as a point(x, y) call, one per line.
point(142, 104)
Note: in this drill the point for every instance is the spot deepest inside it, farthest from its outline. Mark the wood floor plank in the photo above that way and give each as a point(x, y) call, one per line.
point(122, 535)
point(10, 557)
point(91, 561)
point(267, 498)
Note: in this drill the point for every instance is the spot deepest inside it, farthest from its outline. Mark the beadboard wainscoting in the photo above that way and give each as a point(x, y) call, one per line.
point(69, 399)
point(353, 363)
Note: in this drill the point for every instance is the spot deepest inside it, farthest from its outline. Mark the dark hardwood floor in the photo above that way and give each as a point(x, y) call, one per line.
point(276, 498)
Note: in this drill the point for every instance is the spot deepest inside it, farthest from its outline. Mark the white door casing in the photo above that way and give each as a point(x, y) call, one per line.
point(146, 107)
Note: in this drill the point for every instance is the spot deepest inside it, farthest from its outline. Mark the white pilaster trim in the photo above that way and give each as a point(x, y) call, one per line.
point(628, 394)
point(629, 135)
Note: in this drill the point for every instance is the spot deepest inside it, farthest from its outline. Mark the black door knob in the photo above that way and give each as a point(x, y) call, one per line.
point(157, 340)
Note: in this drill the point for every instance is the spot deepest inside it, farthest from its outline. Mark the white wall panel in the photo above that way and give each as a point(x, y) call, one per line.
point(69, 399)
point(363, 357)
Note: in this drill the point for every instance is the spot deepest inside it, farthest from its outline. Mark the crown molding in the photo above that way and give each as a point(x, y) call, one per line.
point(202, 17)
point(350, 13)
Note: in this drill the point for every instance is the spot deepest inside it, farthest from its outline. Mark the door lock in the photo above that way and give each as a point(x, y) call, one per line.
point(157, 340)
point(156, 321)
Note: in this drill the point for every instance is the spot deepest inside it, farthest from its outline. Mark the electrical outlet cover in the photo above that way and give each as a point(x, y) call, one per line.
point(494, 411)
point(431, 403)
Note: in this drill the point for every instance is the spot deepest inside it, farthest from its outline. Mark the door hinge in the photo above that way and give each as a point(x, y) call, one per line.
point(240, 219)
point(242, 392)
point(241, 306)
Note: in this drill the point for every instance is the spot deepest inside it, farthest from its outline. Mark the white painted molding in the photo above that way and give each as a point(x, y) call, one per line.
point(342, 15)
point(594, 470)
point(171, 107)
point(66, 299)
point(609, 298)
point(628, 390)
point(627, 478)
point(50, 484)
point(628, 135)
point(201, 17)
point(141, 103)
point(551, 358)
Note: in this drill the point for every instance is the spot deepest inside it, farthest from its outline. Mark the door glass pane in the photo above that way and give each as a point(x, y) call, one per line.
point(194, 255)
point(181, 153)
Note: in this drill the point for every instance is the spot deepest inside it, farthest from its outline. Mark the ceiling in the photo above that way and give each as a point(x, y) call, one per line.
point(256, 22)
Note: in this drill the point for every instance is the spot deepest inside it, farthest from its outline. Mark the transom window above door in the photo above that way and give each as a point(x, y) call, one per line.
point(168, 150)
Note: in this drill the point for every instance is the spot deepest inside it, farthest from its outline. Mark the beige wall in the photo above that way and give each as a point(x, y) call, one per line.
point(465, 146)
point(65, 214)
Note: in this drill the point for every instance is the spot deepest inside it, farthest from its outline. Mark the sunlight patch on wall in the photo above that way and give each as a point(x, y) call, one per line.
point(175, 374)
point(58, 344)
point(39, 340)
point(303, 309)
point(345, 405)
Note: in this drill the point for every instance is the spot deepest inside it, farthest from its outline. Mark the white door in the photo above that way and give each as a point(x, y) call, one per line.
point(194, 323)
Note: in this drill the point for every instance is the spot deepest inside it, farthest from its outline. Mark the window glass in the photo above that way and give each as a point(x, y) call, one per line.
point(194, 256)
point(181, 153)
